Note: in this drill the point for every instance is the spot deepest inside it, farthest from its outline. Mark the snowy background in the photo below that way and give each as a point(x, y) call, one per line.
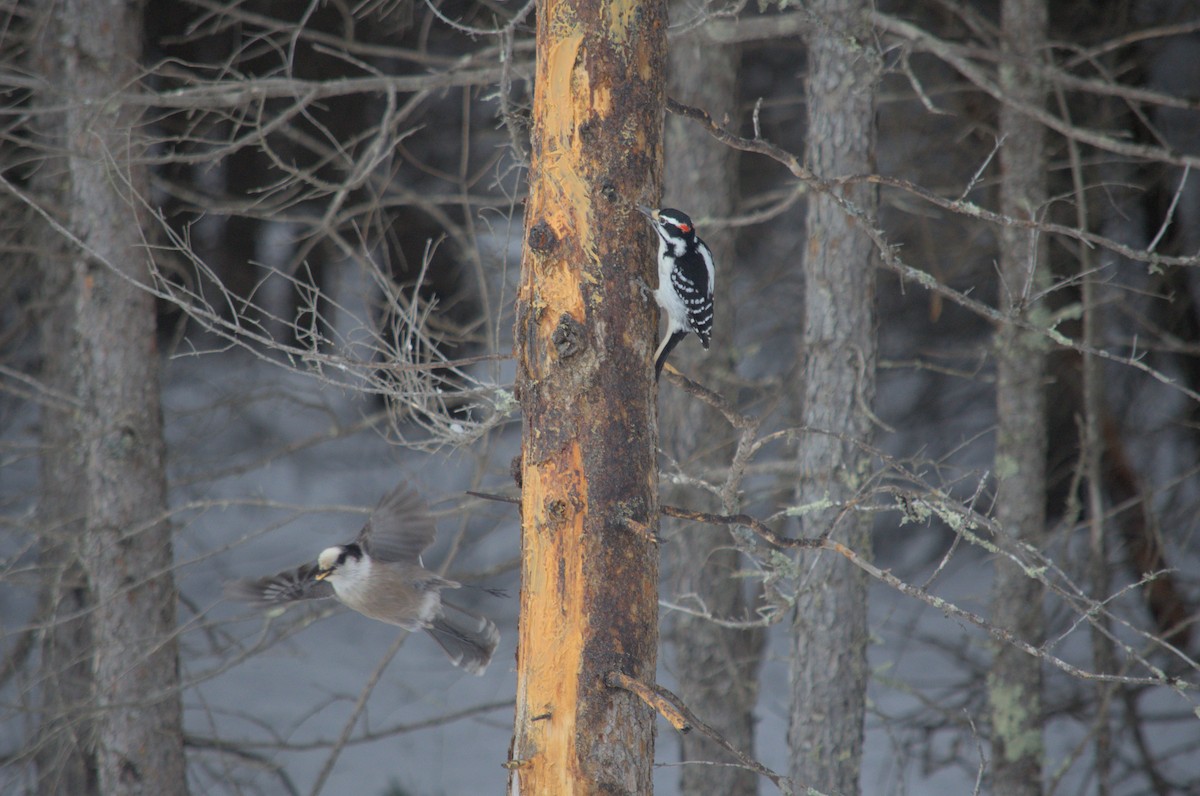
point(265, 474)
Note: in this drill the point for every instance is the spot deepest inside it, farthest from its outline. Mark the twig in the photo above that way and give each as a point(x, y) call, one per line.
point(978, 175)
point(1170, 214)
point(1158, 678)
point(498, 498)
point(714, 399)
point(653, 695)
point(246, 756)
point(673, 710)
point(754, 524)
point(363, 738)
point(960, 58)
point(998, 633)
point(889, 254)
point(359, 707)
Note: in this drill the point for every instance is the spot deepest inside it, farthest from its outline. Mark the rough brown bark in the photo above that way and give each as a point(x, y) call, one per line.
point(1014, 681)
point(829, 631)
point(105, 326)
point(583, 341)
point(716, 667)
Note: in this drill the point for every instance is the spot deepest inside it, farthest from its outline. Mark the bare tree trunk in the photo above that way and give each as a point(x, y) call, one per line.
point(829, 632)
point(583, 341)
point(716, 667)
point(107, 327)
point(1014, 682)
point(66, 765)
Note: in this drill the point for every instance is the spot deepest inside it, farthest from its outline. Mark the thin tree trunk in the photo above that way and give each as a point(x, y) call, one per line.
point(63, 757)
point(107, 325)
point(583, 341)
point(1014, 682)
point(829, 632)
point(716, 667)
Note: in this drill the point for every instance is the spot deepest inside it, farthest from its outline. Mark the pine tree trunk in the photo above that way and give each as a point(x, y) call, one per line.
point(716, 667)
point(66, 765)
point(829, 632)
point(1014, 682)
point(106, 326)
point(584, 338)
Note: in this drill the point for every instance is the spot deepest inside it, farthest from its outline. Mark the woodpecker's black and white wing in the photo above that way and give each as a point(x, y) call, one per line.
point(692, 278)
point(288, 586)
point(399, 528)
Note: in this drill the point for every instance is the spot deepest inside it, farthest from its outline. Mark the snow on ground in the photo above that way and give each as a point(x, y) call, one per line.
point(262, 480)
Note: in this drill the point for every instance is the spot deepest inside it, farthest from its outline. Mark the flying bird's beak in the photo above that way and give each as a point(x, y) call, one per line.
point(324, 574)
point(648, 213)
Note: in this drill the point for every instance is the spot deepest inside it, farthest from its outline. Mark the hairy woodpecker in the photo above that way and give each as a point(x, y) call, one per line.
point(685, 280)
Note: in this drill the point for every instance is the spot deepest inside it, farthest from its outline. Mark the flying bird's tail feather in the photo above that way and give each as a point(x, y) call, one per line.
point(469, 642)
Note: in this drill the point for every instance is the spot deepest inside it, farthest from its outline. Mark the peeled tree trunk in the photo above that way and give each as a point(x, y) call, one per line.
point(583, 342)
point(114, 432)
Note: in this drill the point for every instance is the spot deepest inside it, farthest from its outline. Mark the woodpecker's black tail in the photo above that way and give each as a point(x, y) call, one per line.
point(469, 642)
point(665, 349)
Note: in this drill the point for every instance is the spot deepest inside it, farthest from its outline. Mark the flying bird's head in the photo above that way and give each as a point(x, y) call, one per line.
point(342, 560)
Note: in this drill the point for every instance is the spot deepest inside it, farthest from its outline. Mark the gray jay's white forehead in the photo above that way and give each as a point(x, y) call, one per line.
point(329, 558)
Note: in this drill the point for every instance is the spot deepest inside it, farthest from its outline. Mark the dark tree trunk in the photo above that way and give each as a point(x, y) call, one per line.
point(829, 632)
point(66, 764)
point(101, 351)
point(716, 667)
point(1014, 682)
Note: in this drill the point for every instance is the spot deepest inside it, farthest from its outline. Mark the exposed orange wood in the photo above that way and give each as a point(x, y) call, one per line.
point(583, 337)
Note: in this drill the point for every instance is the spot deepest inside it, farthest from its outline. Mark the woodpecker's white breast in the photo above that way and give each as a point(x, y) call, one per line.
point(665, 295)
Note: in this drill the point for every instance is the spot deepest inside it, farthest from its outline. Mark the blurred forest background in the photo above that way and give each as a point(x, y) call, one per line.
point(259, 263)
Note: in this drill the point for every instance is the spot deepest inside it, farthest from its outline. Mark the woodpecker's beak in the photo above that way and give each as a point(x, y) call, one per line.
point(648, 212)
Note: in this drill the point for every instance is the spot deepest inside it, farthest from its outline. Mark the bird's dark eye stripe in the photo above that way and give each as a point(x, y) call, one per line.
point(350, 551)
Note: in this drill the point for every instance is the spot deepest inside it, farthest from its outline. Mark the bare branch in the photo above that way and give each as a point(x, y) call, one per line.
point(672, 708)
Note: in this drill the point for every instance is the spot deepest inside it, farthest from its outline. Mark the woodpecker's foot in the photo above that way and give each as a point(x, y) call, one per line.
point(644, 530)
point(645, 289)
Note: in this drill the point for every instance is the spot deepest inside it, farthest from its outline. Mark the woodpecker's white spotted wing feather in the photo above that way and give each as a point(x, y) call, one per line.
point(692, 279)
point(399, 528)
point(289, 586)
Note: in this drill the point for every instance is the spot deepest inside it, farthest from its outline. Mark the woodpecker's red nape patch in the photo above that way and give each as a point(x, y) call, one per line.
point(685, 228)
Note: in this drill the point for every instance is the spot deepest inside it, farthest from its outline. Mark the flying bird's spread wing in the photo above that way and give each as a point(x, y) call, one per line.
point(289, 586)
point(399, 528)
